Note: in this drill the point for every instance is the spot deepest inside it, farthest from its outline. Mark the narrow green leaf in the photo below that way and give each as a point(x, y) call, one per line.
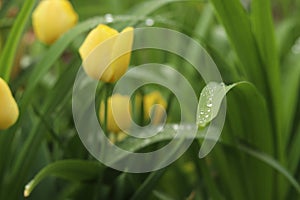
point(209, 104)
point(263, 31)
point(169, 132)
point(290, 89)
point(249, 119)
point(210, 101)
point(24, 159)
point(161, 196)
point(10, 49)
point(238, 27)
point(273, 163)
point(294, 155)
point(149, 184)
point(145, 8)
point(287, 32)
point(76, 170)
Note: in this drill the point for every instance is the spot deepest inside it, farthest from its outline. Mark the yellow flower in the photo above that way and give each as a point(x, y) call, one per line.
point(118, 113)
point(150, 100)
point(52, 18)
point(110, 60)
point(9, 111)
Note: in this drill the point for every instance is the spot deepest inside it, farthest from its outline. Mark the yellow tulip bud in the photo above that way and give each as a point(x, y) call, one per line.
point(150, 100)
point(111, 53)
point(9, 111)
point(52, 18)
point(118, 113)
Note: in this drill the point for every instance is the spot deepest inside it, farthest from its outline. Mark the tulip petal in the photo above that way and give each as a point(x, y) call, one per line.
point(118, 113)
point(52, 18)
point(121, 53)
point(94, 38)
point(9, 111)
point(96, 52)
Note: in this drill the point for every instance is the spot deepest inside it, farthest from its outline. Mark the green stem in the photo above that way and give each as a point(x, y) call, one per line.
point(107, 94)
point(106, 97)
point(142, 113)
point(170, 102)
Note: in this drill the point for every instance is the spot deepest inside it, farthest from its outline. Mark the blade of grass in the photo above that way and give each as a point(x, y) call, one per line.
point(294, 155)
point(272, 163)
point(76, 170)
point(238, 27)
point(202, 166)
point(170, 133)
point(23, 160)
point(253, 125)
point(287, 33)
point(290, 89)
point(149, 184)
point(10, 48)
point(263, 32)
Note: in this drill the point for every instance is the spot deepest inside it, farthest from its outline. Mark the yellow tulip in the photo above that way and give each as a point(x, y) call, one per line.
point(52, 18)
point(118, 113)
point(9, 111)
point(111, 53)
point(150, 100)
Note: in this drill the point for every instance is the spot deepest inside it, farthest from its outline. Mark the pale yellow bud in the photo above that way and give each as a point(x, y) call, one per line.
point(9, 111)
point(118, 113)
point(52, 18)
point(151, 99)
point(106, 53)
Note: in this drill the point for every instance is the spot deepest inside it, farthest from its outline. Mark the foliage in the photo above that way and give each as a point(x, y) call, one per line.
point(256, 48)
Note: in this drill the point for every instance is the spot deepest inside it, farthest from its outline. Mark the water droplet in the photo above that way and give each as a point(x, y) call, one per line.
point(109, 18)
point(149, 22)
point(147, 141)
point(175, 127)
point(25, 62)
point(209, 105)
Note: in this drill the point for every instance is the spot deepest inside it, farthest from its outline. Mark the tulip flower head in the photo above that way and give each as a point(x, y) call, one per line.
point(52, 18)
point(9, 111)
point(149, 100)
point(118, 113)
point(106, 53)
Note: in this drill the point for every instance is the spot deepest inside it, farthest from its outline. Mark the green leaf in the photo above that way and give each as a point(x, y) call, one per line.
point(263, 31)
point(210, 101)
point(11, 46)
point(238, 27)
point(294, 155)
point(248, 118)
point(145, 8)
point(273, 163)
point(287, 32)
point(290, 89)
point(248, 125)
point(148, 185)
point(161, 196)
point(76, 170)
point(169, 132)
